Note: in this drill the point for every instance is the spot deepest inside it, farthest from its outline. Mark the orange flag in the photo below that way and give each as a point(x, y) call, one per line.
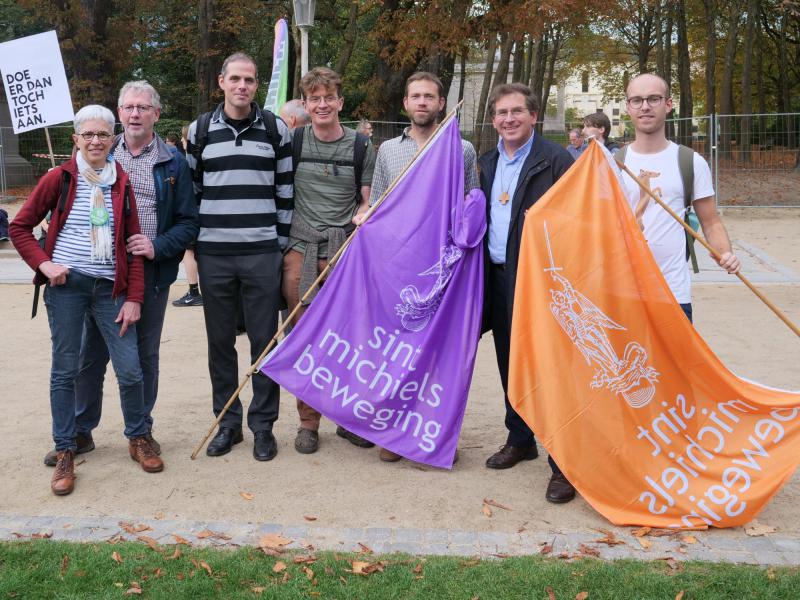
point(635, 408)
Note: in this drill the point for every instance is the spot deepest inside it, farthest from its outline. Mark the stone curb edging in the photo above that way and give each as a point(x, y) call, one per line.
point(709, 546)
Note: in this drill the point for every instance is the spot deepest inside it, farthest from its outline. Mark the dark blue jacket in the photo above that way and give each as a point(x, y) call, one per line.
point(542, 168)
point(176, 212)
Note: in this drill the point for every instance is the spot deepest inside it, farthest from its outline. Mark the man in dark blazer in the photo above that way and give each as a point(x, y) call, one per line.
point(514, 176)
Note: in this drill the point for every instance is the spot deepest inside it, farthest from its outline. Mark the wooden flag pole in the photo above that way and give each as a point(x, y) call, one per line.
point(713, 252)
point(50, 147)
point(331, 262)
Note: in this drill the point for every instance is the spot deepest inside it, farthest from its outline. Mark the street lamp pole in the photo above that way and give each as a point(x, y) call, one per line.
point(304, 19)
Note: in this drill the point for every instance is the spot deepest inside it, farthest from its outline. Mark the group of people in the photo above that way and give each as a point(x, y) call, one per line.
point(265, 202)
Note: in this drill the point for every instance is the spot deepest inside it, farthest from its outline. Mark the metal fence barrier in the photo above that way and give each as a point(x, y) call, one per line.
point(754, 159)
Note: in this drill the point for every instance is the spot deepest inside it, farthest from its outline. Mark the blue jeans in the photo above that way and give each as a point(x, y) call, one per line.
point(94, 358)
point(67, 307)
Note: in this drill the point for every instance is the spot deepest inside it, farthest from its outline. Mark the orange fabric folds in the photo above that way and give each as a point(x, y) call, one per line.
point(638, 412)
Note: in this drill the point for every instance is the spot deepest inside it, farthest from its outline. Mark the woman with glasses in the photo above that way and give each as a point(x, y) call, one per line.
point(87, 271)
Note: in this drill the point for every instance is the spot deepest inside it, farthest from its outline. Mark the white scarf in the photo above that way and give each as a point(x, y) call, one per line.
point(99, 219)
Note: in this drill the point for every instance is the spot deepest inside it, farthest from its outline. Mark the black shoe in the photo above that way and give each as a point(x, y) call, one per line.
point(188, 299)
point(354, 439)
point(85, 443)
point(224, 440)
point(559, 490)
point(264, 445)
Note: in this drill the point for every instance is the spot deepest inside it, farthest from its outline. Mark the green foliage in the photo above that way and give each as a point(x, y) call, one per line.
point(46, 569)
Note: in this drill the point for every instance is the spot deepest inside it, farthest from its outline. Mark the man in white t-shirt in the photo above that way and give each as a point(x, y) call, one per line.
point(655, 160)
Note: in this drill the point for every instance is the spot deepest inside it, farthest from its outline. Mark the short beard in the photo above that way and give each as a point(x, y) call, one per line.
point(426, 122)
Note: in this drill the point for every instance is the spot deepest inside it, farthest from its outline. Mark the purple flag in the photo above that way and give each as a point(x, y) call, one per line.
point(387, 347)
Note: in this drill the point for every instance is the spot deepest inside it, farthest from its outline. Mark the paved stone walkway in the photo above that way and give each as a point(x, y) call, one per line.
point(716, 545)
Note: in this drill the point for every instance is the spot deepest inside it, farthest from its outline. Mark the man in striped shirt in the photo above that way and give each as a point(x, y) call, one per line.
point(243, 178)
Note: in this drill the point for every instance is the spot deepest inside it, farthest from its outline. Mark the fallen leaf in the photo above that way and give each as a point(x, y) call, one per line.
point(581, 595)
point(550, 594)
point(128, 527)
point(307, 559)
point(206, 533)
point(546, 548)
point(181, 540)
point(42, 536)
point(247, 495)
point(257, 589)
point(205, 566)
point(610, 539)
point(149, 541)
point(689, 539)
point(771, 574)
point(501, 555)
point(279, 567)
point(80, 573)
point(64, 564)
point(641, 531)
point(564, 556)
point(588, 550)
point(681, 549)
point(309, 573)
point(487, 512)
point(115, 555)
point(364, 549)
point(496, 504)
point(18, 535)
point(359, 566)
point(417, 569)
point(272, 544)
point(141, 527)
point(115, 539)
point(133, 590)
point(286, 577)
point(646, 544)
point(310, 517)
point(756, 529)
point(176, 554)
point(158, 572)
point(180, 577)
point(158, 516)
point(679, 595)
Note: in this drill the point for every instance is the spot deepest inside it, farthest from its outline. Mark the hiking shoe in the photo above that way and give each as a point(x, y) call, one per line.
point(84, 442)
point(153, 443)
point(307, 441)
point(63, 481)
point(188, 299)
point(354, 439)
point(142, 452)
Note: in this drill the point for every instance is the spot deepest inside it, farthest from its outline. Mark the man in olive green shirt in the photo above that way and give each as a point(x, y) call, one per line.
point(330, 191)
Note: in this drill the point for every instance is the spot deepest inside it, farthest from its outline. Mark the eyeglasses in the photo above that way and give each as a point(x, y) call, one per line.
point(329, 99)
point(637, 101)
point(142, 108)
point(514, 112)
point(101, 135)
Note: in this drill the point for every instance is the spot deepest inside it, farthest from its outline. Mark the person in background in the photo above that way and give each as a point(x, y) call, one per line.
point(576, 144)
point(192, 297)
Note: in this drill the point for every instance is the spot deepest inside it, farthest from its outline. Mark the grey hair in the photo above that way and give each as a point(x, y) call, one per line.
point(295, 108)
point(91, 112)
point(140, 86)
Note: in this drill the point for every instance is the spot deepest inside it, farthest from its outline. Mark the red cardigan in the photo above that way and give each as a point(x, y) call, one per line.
point(129, 270)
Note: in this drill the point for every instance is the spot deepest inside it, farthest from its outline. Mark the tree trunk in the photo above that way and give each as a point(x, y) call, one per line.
point(539, 63)
point(526, 74)
point(761, 93)
point(684, 78)
point(519, 60)
point(669, 126)
point(487, 84)
point(206, 77)
point(506, 45)
point(747, 92)
point(791, 136)
point(658, 24)
point(726, 90)
point(711, 56)
point(350, 35)
point(463, 79)
point(548, 82)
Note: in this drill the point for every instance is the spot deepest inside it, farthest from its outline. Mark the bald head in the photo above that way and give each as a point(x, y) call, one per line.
point(294, 113)
point(649, 77)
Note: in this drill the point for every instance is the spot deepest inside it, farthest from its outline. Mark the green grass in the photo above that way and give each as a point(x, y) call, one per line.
point(39, 569)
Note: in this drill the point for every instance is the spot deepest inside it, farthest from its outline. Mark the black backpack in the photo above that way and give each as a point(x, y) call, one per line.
point(201, 138)
point(359, 152)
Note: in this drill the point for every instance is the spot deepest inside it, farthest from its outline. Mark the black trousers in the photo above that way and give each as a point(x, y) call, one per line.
point(255, 279)
point(519, 434)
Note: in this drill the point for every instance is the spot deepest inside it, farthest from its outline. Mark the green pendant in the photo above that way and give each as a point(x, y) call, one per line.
point(98, 216)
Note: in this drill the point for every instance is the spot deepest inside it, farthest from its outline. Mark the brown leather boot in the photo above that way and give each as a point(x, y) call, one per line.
point(63, 481)
point(143, 453)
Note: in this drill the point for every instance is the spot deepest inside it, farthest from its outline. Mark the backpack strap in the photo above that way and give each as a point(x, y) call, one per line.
point(271, 127)
point(686, 168)
point(196, 148)
point(297, 147)
point(60, 206)
point(359, 154)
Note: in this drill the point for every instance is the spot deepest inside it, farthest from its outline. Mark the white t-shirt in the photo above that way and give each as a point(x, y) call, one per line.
point(664, 235)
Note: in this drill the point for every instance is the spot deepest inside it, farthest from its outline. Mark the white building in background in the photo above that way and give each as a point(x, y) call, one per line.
point(580, 92)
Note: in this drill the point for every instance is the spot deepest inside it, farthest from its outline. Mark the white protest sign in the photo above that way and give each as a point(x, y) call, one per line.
point(35, 82)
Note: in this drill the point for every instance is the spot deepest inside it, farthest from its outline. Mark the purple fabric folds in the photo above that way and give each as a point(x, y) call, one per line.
point(387, 348)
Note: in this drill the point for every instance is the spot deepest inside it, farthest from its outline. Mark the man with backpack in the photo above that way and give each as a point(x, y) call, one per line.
point(241, 158)
point(665, 168)
point(333, 174)
point(167, 212)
